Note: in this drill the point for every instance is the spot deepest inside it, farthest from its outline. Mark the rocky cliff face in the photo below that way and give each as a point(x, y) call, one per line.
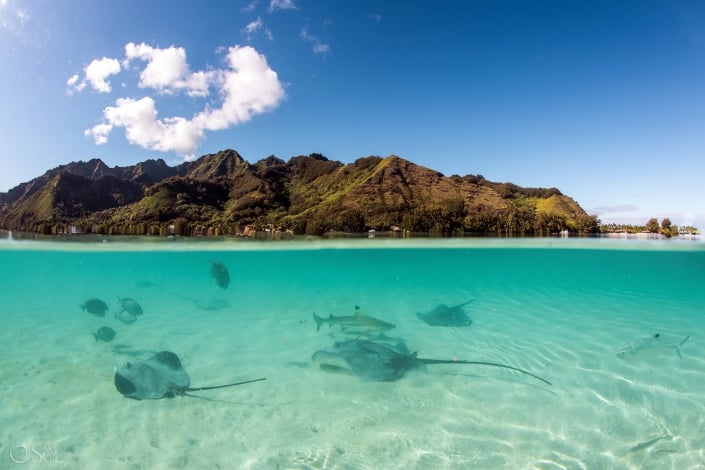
point(307, 194)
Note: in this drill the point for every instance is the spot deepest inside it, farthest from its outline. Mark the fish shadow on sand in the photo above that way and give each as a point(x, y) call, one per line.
point(443, 315)
point(373, 361)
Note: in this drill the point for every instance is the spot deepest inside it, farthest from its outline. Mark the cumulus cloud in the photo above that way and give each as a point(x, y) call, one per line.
point(281, 5)
point(167, 70)
point(247, 86)
point(96, 75)
point(99, 133)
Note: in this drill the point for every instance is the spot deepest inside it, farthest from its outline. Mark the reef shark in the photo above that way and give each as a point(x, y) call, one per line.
point(358, 323)
point(648, 347)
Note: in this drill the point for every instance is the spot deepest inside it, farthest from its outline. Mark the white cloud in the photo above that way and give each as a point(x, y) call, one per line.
point(317, 46)
point(281, 5)
point(167, 70)
point(139, 119)
point(96, 74)
point(99, 133)
point(250, 6)
point(321, 49)
point(253, 26)
point(247, 87)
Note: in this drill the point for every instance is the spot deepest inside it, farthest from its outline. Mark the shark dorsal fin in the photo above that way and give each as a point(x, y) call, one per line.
point(358, 312)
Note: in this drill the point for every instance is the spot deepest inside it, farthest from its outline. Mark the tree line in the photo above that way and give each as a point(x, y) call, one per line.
point(665, 228)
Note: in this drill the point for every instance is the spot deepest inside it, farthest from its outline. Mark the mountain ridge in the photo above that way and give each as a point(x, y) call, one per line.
point(222, 193)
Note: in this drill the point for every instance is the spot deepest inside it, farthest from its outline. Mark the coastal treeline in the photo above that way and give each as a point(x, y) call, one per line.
point(665, 228)
point(512, 221)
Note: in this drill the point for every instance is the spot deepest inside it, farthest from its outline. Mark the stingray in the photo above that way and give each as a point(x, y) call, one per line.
point(447, 316)
point(220, 274)
point(159, 376)
point(376, 362)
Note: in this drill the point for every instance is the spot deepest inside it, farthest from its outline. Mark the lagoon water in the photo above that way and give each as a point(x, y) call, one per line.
point(561, 309)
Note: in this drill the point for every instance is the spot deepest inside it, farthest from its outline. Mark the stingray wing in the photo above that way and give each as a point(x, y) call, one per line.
point(446, 316)
point(365, 359)
point(159, 376)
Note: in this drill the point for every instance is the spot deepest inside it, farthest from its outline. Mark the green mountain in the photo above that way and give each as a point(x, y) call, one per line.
point(223, 194)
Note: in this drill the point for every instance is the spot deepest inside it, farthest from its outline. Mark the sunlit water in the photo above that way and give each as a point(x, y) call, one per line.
point(561, 309)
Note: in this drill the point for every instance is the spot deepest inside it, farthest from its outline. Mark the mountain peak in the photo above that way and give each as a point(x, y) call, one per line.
point(308, 194)
point(225, 163)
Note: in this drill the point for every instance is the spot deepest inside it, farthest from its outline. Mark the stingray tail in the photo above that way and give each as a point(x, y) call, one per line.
point(176, 295)
point(222, 386)
point(493, 364)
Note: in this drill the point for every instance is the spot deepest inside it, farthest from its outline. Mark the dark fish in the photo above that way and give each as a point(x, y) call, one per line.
point(95, 306)
point(372, 361)
point(105, 334)
point(131, 306)
point(160, 376)
point(220, 274)
point(447, 316)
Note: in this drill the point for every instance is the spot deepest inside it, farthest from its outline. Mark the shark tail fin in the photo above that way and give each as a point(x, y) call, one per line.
point(678, 348)
point(318, 320)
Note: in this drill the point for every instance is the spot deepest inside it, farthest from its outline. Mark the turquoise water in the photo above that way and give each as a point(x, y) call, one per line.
point(560, 309)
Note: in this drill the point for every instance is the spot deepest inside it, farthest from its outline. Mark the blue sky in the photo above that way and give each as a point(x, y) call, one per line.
point(603, 99)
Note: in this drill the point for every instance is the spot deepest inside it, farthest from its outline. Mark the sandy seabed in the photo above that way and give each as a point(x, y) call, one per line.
point(60, 406)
